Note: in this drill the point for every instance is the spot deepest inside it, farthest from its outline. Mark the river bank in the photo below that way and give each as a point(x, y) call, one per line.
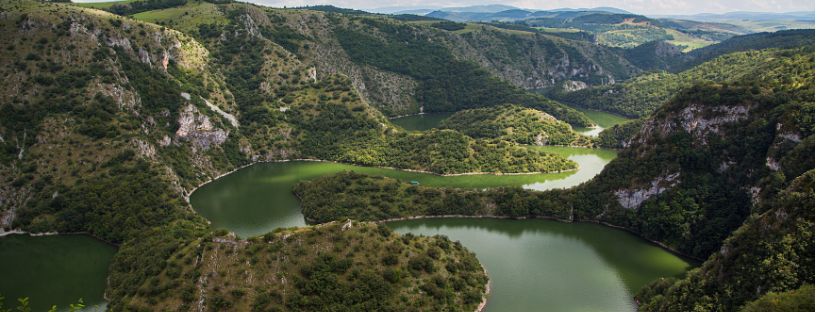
point(187, 194)
point(568, 221)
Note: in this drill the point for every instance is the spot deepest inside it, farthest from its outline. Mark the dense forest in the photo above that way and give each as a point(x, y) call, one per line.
point(447, 84)
point(362, 197)
point(302, 269)
point(515, 124)
point(641, 95)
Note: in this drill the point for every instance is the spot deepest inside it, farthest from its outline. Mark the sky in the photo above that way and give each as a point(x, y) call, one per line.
point(648, 7)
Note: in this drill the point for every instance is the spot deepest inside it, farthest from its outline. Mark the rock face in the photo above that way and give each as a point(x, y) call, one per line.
point(539, 62)
point(198, 129)
point(698, 120)
point(633, 198)
point(572, 85)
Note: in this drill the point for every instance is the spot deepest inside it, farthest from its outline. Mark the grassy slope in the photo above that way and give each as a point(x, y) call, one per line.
point(186, 18)
point(101, 5)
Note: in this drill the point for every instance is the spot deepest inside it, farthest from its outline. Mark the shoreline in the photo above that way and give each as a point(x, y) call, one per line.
point(42, 234)
point(601, 223)
point(487, 288)
point(187, 194)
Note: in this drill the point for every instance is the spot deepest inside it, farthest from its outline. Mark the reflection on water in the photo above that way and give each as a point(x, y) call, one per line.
point(539, 265)
point(258, 199)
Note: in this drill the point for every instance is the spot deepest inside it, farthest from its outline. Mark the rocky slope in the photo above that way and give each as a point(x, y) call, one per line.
point(723, 172)
point(128, 96)
point(521, 59)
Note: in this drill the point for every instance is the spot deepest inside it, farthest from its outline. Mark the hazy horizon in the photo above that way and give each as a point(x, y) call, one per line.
point(645, 7)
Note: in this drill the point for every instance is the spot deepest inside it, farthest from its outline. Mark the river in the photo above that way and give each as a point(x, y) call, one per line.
point(258, 199)
point(54, 270)
point(534, 265)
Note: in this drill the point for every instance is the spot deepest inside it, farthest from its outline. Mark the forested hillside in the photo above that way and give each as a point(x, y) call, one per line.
point(641, 95)
point(303, 269)
point(485, 65)
point(110, 119)
point(131, 103)
point(614, 28)
point(515, 124)
point(659, 55)
point(721, 171)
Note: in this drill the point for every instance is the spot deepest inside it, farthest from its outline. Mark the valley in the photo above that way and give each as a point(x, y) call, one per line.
point(215, 155)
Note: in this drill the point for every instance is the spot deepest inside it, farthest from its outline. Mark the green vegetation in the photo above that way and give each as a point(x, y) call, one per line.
point(515, 124)
point(106, 123)
point(23, 304)
point(760, 138)
point(799, 300)
point(370, 198)
point(618, 136)
point(449, 26)
point(188, 17)
point(446, 84)
point(771, 252)
point(642, 95)
point(629, 30)
point(102, 5)
point(133, 7)
point(335, 266)
point(604, 119)
point(784, 39)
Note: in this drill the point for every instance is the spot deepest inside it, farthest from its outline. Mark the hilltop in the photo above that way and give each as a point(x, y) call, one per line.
point(303, 269)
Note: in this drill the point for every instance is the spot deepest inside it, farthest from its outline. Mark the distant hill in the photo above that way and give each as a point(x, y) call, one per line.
point(756, 21)
point(642, 95)
point(422, 10)
point(664, 56)
point(611, 27)
point(757, 16)
point(599, 9)
point(489, 8)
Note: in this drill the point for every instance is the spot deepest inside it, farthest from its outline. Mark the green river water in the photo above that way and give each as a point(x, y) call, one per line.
point(421, 122)
point(54, 270)
point(258, 199)
point(428, 121)
point(534, 265)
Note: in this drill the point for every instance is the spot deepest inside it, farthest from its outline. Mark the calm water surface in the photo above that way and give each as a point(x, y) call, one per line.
point(540, 265)
point(534, 265)
point(54, 270)
point(421, 122)
point(603, 120)
point(258, 199)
